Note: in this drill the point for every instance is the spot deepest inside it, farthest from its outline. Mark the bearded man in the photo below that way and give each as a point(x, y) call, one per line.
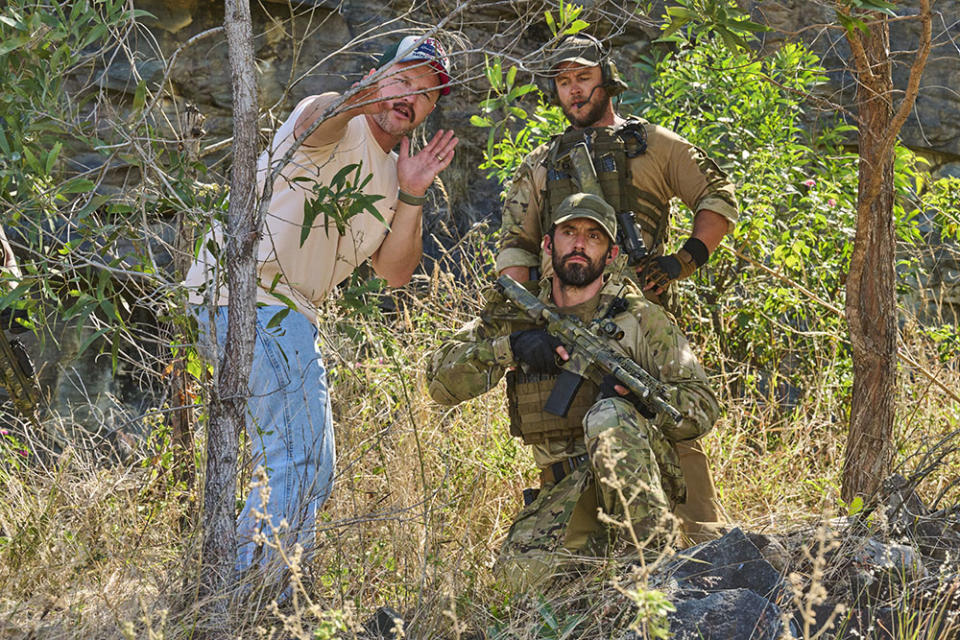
point(609, 471)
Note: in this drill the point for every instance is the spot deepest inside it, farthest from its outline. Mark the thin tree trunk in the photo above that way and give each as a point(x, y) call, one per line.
point(228, 405)
point(181, 383)
point(871, 306)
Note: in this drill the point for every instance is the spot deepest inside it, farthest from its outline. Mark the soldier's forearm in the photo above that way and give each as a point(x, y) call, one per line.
point(709, 227)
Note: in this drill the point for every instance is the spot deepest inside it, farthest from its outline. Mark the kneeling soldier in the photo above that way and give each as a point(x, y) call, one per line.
point(609, 467)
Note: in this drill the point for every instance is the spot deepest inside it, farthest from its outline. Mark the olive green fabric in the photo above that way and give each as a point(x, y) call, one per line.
point(587, 205)
point(634, 472)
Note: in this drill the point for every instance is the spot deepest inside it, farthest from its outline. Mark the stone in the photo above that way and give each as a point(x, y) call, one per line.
point(732, 562)
point(935, 122)
point(383, 624)
point(732, 614)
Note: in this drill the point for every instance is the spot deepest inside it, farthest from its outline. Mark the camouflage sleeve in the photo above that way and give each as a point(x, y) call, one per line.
point(660, 348)
point(520, 227)
point(468, 364)
point(697, 180)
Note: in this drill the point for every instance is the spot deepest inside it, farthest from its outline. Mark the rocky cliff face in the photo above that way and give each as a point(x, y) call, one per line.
point(298, 54)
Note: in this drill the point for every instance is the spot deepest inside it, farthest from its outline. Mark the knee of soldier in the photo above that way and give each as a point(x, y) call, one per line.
point(521, 573)
point(614, 413)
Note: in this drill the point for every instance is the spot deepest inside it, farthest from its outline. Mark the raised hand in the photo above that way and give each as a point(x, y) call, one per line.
point(415, 173)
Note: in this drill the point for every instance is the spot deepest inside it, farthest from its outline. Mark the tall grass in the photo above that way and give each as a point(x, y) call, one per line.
point(424, 495)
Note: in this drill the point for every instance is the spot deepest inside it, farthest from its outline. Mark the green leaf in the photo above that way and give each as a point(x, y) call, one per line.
point(140, 95)
point(52, 156)
point(11, 44)
point(855, 507)
point(31, 159)
point(576, 27)
point(86, 343)
point(16, 24)
point(550, 22)
point(479, 121)
point(681, 13)
point(278, 317)
point(511, 76)
point(748, 25)
point(77, 185)
point(494, 74)
point(95, 34)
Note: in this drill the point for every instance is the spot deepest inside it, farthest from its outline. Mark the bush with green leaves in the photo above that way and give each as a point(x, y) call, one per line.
point(774, 300)
point(770, 304)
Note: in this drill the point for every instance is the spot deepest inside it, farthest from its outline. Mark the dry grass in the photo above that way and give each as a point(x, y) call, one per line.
point(423, 497)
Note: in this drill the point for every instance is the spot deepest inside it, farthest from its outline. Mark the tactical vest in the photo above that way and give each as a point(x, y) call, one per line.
point(611, 148)
point(526, 395)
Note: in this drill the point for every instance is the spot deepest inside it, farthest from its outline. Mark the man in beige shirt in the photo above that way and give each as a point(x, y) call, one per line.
point(304, 254)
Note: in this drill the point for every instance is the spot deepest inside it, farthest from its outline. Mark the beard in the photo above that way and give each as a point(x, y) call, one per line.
point(576, 274)
point(592, 115)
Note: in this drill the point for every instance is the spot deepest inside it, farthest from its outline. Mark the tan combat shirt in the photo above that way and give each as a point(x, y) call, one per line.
point(670, 167)
point(477, 356)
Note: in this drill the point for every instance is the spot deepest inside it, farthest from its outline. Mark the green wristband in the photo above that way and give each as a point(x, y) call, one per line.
point(416, 201)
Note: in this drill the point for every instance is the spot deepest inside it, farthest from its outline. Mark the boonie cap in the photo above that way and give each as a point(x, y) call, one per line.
point(429, 50)
point(578, 49)
point(587, 205)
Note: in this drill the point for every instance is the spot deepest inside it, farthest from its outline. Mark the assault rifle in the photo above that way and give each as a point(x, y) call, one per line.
point(590, 356)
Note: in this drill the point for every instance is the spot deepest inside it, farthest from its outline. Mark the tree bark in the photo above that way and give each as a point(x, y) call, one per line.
point(228, 402)
point(871, 305)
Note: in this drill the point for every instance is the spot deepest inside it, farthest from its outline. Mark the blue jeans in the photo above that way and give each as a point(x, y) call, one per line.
point(290, 430)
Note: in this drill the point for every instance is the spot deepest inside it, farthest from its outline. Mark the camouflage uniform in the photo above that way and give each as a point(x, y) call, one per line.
point(670, 167)
point(619, 448)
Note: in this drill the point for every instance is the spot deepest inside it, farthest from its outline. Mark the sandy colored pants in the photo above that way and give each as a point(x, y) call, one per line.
point(700, 514)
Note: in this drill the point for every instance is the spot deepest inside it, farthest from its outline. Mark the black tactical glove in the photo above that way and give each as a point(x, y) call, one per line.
point(537, 349)
point(607, 390)
point(663, 270)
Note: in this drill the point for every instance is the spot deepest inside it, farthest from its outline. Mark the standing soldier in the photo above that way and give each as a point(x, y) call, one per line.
point(609, 458)
point(640, 168)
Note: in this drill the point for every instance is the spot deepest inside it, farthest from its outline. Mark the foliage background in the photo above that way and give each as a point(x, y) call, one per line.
point(100, 533)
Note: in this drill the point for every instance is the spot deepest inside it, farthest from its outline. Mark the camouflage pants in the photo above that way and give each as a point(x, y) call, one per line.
point(621, 496)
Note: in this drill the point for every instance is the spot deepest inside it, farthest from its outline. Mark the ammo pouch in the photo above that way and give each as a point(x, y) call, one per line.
point(611, 149)
point(526, 395)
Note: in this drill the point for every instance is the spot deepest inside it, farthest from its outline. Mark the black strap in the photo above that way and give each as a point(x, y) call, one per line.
point(562, 468)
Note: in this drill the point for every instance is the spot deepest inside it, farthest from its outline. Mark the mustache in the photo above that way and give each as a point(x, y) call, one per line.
point(588, 98)
point(575, 254)
point(407, 110)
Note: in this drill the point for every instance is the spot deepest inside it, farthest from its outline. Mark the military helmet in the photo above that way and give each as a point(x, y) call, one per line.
point(583, 49)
